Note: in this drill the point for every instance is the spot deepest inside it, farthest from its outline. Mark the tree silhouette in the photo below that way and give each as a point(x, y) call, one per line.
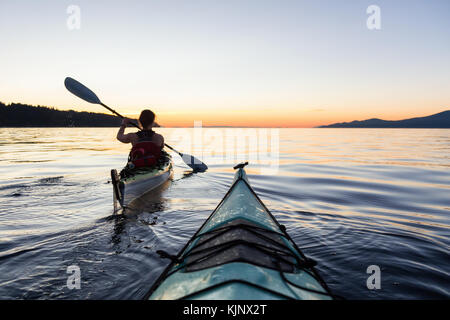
point(22, 115)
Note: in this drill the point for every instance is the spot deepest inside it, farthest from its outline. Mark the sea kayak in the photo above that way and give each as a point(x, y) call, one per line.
point(240, 253)
point(131, 184)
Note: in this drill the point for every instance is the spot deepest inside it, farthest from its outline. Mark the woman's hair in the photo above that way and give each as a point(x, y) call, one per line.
point(146, 118)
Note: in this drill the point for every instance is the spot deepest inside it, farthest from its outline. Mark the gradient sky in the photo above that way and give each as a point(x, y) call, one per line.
point(231, 62)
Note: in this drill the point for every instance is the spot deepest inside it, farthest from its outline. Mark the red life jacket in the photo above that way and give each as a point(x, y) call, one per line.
point(144, 154)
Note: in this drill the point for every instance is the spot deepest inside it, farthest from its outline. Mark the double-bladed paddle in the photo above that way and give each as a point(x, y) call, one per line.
point(88, 95)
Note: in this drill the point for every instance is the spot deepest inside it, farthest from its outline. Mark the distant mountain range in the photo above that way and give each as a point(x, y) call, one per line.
point(22, 115)
point(438, 120)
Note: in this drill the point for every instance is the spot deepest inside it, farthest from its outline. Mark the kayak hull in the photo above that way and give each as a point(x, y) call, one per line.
point(240, 253)
point(133, 186)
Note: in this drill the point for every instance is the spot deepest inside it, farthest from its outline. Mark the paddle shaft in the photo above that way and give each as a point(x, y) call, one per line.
point(118, 114)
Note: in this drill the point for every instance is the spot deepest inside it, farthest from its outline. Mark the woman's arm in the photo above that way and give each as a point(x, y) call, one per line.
point(159, 140)
point(121, 136)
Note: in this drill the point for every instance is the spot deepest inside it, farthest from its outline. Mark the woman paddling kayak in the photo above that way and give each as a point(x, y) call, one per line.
point(131, 184)
point(149, 166)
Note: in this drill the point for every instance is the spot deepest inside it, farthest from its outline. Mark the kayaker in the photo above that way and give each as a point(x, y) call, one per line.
point(147, 144)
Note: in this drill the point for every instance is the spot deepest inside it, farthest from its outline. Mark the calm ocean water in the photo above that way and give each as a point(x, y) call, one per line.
point(350, 198)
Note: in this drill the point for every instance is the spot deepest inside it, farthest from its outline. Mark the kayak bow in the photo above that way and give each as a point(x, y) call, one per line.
point(240, 253)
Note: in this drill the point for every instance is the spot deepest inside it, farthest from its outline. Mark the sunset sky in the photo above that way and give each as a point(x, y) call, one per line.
point(231, 62)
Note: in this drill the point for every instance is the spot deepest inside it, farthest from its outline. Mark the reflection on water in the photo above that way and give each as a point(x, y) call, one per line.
point(350, 198)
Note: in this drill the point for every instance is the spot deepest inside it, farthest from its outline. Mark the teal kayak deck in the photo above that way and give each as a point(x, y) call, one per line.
point(240, 281)
point(240, 253)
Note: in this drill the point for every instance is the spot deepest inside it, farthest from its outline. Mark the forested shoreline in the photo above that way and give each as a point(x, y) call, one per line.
point(23, 115)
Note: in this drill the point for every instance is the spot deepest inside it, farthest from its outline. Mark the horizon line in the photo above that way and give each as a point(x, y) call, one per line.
point(322, 126)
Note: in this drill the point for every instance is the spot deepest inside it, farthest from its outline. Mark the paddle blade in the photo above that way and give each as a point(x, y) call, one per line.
point(194, 163)
point(81, 91)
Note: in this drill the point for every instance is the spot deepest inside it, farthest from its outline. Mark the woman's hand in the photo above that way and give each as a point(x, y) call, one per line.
point(125, 122)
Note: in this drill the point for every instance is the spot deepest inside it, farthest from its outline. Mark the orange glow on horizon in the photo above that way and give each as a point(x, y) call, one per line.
point(268, 120)
point(285, 116)
point(239, 119)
